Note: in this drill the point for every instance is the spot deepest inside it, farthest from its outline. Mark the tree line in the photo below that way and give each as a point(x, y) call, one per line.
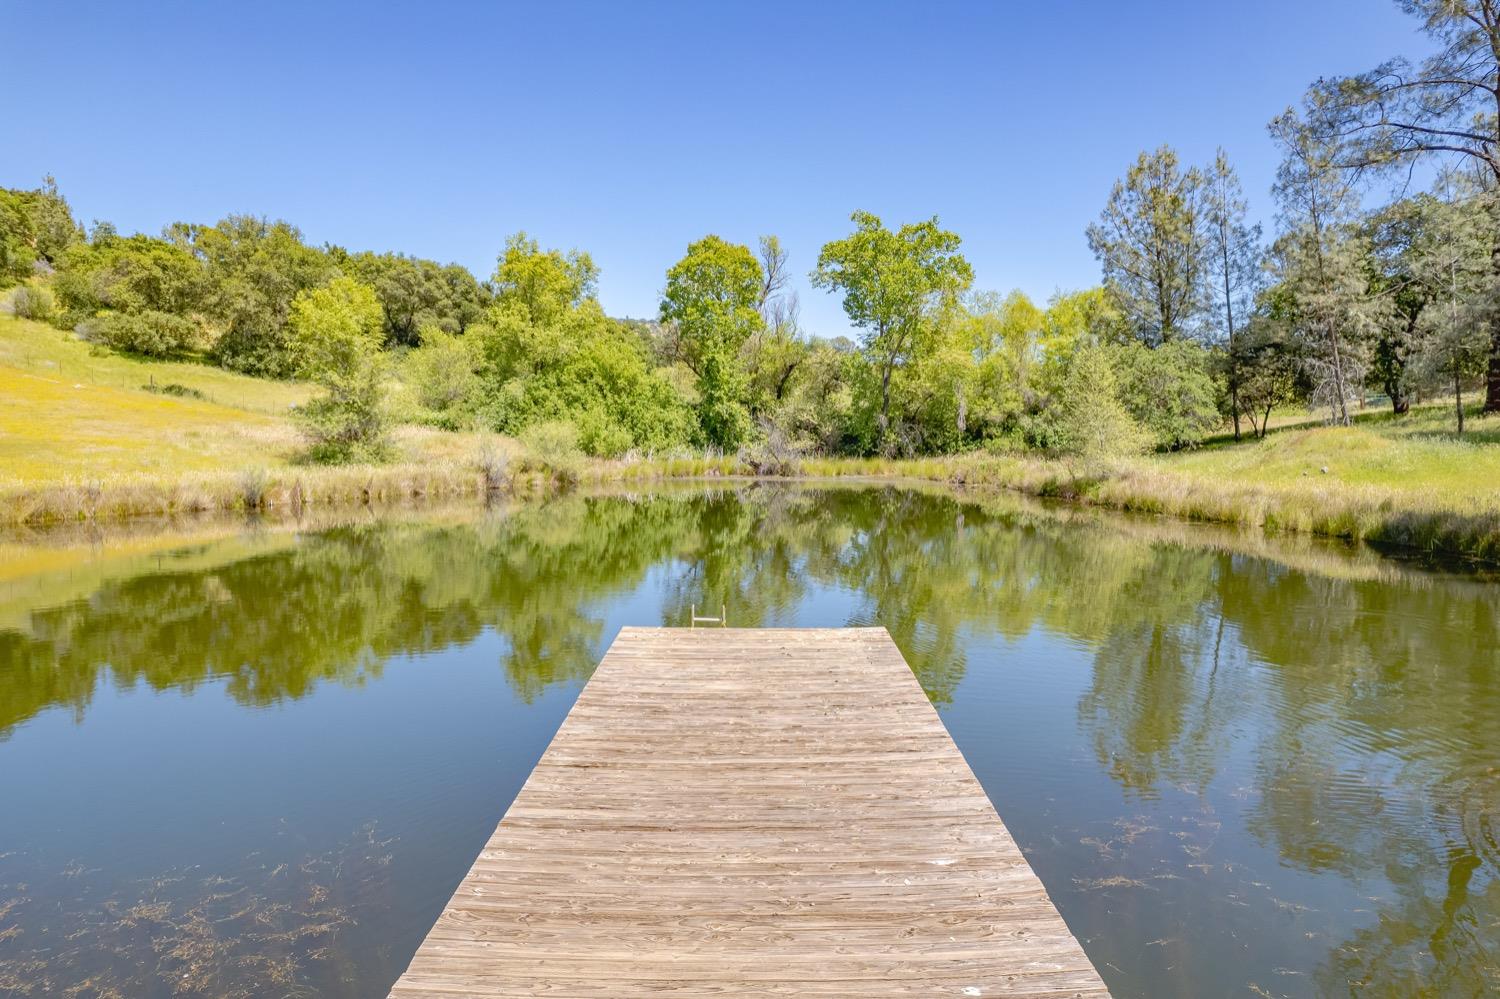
point(1402, 298)
point(1199, 322)
point(725, 362)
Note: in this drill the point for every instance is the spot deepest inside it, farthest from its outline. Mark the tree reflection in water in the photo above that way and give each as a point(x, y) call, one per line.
point(1355, 707)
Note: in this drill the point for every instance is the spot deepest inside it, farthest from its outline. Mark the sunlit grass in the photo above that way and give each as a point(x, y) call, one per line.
point(289, 488)
point(73, 413)
point(1418, 453)
point(82, 439)
point(44, 351)
point(52, 430)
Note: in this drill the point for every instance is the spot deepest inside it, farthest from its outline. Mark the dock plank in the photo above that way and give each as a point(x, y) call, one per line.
point(751, 812)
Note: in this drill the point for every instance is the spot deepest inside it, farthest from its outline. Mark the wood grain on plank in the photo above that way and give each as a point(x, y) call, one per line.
point(773, 812)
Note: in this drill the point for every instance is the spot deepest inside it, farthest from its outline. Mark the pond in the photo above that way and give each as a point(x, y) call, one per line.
point(243, 760)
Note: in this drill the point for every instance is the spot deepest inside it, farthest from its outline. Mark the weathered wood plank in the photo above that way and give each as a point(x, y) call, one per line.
point(751, 812)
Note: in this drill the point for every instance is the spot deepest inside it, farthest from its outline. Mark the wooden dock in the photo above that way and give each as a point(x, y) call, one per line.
point(751, 812)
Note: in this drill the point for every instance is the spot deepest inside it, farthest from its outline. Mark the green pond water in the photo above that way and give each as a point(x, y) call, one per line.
point(256, 760)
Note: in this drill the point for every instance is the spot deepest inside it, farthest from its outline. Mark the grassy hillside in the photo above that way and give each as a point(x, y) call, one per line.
point(44, 351)
point(1418, 453)
point(70, 412)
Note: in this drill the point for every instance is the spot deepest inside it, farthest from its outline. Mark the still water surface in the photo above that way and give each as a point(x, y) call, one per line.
point(256, 762)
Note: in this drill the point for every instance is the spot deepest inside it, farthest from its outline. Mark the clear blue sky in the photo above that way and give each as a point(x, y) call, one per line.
point(630, 128)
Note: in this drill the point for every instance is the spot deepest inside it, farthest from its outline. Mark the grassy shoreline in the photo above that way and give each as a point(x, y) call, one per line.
point(1430, 521)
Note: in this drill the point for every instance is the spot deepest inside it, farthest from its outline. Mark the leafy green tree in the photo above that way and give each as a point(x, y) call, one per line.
point(51, 220)
point(411, 291)
point(137, 294)
point(1073, 319)
point(999, 337)
point(816, 409)
point(17, 240)
point(723, 420)
point(1272, 370)
point(1169, 391)
point(1454, 348)
point(1323, 262)
point(256, 268)
point(34, 225)
point(1008, 336)
point(947, 408)
point(1452, 259)
point(893, 283)
point(1442, 108)
point(543, 284)
point(776, 349)
point(1396, 233)
point(713, 298)
point(135, 274)
point(336, 332)
point(583, 368)
point(547, 353)
point(416, 294)
point(772, 360)
point(1150, 241)
point(467, 300)
point(1233, 268)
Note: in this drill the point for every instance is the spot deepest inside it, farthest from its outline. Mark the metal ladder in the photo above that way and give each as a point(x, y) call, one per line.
point(694, 620)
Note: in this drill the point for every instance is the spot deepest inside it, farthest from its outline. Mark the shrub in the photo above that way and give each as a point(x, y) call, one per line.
point(1087, 421)
point(452, 422)
point(152, 334)
point(254, 483)
point(553, 447)
point(1039, 432)
point(33, 303)
point(172, 388)
point(494, 462)
point(774, 452)
point(600, 437)
point(348, 425)
point(1169, 391)
point(582, 364)
point(441, 372)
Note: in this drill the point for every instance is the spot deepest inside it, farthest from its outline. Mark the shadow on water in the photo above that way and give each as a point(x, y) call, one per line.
point(1241, 766)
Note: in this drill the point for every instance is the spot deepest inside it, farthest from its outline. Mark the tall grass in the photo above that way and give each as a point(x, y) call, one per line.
point(122, 496)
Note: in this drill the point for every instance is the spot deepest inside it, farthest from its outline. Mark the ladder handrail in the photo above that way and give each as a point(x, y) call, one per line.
point(694, 620)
